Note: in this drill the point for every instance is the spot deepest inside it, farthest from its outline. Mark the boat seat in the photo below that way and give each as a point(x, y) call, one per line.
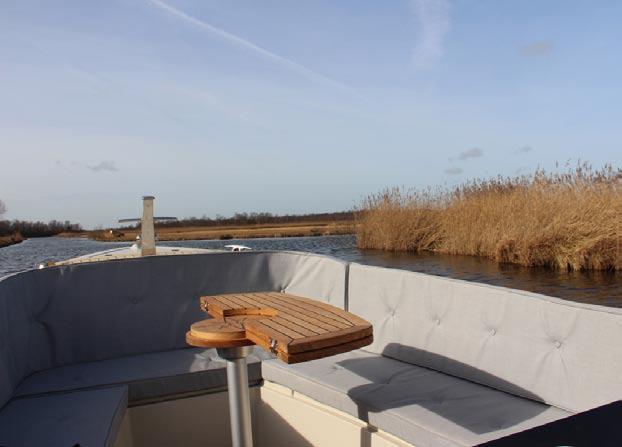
point(150, 377)
point(419, 405)
point(84, 418)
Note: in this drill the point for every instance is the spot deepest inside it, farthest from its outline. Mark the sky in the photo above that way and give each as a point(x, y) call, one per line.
point(223, 106)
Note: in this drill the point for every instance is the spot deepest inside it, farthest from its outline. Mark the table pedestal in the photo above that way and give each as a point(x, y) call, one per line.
point(239, 400)
point(294, 329)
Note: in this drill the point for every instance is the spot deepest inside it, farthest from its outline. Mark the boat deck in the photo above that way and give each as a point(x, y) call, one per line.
point(132, 252)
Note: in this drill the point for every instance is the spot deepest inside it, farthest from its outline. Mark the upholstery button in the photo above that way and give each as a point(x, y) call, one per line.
point(438, 321)
point(493, 332)
point(134, 300)
point(558, 344)
point(392, 312)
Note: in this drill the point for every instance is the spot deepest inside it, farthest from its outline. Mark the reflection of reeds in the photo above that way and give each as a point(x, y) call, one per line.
point(10, 239)
point(567, 221)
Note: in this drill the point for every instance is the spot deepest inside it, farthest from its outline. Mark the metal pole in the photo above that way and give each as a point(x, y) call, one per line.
point(147, 230)
point(239, 399)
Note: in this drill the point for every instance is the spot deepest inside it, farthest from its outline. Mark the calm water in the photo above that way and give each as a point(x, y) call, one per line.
point(599, 288)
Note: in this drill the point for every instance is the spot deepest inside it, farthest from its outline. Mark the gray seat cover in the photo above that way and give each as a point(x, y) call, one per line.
point(151, 376)
point(88, 418)
point(420, 405)
point(92, 325)
point(562, 353)
point(96, 311)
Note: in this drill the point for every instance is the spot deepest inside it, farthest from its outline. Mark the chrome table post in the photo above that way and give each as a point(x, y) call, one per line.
point(239, 399)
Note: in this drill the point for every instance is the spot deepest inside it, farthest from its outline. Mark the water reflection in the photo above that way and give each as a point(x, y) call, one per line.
point(597, 287)
point(603, 288)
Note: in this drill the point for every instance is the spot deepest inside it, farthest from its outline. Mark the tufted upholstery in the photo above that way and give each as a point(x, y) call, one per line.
point(147, 304)
point(437, 341)
point(88, 312)
point(562, 353)
point(24, 341)
point(150, 377)
point(419, 405)
point(85, 418)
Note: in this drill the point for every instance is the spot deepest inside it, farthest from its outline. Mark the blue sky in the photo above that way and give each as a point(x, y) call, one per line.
point(219, 106)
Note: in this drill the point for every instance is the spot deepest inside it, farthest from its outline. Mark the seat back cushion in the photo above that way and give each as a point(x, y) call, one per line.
point(24, 344)
point(562, 353)
point(118, 308)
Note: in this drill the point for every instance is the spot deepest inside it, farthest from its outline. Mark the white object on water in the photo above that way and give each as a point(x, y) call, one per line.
point(238, 248)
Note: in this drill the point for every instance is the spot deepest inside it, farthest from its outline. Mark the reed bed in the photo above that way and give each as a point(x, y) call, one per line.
point(570, 220)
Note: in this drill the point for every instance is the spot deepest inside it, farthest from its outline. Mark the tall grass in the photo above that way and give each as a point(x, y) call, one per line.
point(570, 220)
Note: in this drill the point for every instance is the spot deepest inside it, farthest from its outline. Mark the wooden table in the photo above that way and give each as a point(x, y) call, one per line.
point(293, 328)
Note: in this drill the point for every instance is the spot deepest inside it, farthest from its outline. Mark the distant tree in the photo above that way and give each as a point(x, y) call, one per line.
point(258, 218)
point(5, 225)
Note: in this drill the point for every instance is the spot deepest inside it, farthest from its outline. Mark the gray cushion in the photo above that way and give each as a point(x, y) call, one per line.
point(563, 353)
point(95, 311)
point(24, 342)
point(89, 418)
point(150, 376)
point(131, 306)
point(419, 405)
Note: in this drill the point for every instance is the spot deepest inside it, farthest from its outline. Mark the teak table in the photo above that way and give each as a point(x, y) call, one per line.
point(293, 328)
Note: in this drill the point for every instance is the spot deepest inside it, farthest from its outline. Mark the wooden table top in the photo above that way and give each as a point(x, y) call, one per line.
point(295, 329)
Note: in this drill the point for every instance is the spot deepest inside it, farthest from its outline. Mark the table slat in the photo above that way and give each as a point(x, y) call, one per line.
point(295, 329)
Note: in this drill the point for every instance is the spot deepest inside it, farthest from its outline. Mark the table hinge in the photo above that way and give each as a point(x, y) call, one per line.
point(273, 344)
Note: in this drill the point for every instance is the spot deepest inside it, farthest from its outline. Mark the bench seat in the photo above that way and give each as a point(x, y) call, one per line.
point(87, 418)
point(419, 405)
point(149, 377)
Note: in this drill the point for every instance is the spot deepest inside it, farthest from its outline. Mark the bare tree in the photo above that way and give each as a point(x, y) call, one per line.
point(2, 208)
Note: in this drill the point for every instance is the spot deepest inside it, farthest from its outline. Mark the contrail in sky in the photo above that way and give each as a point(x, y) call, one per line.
point(434, 23)
point(246, 45)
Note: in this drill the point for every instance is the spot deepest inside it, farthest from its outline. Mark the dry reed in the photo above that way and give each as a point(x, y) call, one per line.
point(570, 220)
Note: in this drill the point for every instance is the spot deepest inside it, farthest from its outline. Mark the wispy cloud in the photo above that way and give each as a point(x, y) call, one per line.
point(109, 166)
point(474, 152)
point(523, 150)
point(244, 44)
point(541, 48)
point(470, 153)
point(434, 22)
point(453, 170)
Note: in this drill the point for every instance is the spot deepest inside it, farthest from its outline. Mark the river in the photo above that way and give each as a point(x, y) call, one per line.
point(603, 288)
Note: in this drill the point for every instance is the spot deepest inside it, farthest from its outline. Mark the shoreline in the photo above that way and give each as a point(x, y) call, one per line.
point(304, 229)
point(11, 239)
point(565, 221)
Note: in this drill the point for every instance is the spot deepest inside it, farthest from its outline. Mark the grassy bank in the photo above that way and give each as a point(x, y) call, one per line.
point(567, 221)
point(231, 231)
point(10, 239)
